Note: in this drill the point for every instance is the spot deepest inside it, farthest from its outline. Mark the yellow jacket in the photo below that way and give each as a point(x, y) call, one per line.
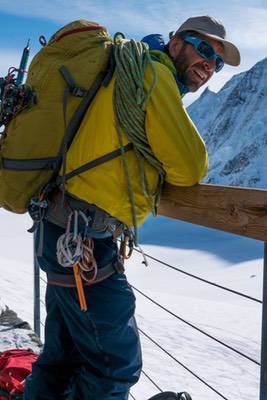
point(172, 136)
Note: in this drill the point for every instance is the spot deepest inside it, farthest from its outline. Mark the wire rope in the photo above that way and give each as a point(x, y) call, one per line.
point(151, 380)
point(196, 328)
point(200, 279)
point(184, 366)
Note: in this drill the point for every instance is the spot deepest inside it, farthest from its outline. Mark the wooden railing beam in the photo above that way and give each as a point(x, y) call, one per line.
point(242, 211)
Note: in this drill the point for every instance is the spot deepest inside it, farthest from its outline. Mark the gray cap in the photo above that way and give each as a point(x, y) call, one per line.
point(214, 29)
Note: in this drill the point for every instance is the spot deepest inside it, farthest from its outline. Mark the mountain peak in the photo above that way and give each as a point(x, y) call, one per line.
point(233, 123)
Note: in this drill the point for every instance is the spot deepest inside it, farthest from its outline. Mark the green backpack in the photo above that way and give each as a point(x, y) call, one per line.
point(64, 77)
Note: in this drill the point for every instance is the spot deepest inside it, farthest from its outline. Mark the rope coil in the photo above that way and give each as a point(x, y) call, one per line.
point(129, 101)
point(73, 248)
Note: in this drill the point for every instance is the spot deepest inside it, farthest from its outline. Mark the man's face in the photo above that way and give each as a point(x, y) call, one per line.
point(193, 70)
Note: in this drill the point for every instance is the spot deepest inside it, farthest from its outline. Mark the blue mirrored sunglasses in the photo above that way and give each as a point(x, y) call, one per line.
point(205, 50)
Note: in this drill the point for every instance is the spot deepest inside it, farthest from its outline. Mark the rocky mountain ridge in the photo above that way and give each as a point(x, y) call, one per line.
point(233, 124)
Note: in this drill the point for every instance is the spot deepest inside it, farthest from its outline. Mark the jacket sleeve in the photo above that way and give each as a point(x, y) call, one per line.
point(171, 133)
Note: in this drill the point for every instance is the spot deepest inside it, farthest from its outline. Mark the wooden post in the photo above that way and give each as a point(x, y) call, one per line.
point(36, 290)
point(263, 381)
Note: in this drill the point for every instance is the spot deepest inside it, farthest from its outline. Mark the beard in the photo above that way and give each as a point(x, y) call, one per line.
point(184, 72)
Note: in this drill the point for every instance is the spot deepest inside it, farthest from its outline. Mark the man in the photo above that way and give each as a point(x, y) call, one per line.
point(196, 64)
point(95, 354)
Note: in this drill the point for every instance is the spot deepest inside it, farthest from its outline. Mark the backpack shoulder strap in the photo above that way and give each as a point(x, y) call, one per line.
point(103, 78)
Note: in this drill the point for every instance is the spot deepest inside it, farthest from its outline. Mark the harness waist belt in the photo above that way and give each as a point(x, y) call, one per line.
point(69, 281)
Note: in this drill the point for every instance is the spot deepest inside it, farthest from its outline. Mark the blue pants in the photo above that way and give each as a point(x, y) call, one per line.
point(92, 355)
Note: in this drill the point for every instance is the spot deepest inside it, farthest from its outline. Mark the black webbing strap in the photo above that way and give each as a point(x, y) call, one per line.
point(94, 163)
point(72, 127)
point(68, 280)
point(73, 87)
point(103, 78)
point(79, 113)
point(110, 69)
point(49, 163)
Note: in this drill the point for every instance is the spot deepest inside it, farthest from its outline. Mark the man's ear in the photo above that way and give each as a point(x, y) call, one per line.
point(174, 46)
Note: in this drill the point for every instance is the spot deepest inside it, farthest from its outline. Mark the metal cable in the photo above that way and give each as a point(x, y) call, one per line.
point(201, 279)
point(182, 365)
point(198, 329)
point(42, 302)
point(151, 380)
point(43, 280)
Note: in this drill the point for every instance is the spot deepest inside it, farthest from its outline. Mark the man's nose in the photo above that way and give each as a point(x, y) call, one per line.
point(209, 66)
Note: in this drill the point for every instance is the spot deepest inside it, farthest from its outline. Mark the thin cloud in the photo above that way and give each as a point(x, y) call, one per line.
point(245, 19)
point(250, 31)
point(245, 22)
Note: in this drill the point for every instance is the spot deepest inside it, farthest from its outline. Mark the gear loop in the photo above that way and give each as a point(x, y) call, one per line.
point(75, 248)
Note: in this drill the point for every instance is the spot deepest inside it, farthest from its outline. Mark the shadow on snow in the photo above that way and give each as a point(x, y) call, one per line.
point(162, 231)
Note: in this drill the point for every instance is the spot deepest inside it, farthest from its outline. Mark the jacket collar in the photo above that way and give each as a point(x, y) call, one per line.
point(163, 58)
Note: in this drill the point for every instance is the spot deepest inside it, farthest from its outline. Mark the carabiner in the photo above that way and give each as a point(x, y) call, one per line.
point(127, 239)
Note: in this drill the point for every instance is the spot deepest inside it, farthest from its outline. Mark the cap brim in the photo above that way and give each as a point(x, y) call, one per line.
point(231, 54)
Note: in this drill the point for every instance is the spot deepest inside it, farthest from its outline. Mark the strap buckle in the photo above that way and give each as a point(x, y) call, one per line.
point(37, 210)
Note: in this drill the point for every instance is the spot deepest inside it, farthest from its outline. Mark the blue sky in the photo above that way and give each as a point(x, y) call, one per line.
point(245, 22)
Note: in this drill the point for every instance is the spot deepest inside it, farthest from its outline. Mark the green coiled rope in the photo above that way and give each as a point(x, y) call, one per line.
point(129, 102)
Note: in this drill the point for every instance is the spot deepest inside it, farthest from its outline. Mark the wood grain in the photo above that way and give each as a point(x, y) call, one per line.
point(242, 211)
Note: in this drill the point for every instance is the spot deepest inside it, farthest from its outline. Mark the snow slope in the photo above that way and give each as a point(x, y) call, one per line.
point(226, 259)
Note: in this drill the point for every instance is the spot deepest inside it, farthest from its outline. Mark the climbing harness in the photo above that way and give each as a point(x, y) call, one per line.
point(75, 250)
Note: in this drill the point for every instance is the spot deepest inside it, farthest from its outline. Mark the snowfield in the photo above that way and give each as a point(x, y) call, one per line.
point(228, 260)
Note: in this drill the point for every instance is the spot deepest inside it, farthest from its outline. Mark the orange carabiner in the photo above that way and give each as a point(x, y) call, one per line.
point(80, 289)
point(126, 255)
